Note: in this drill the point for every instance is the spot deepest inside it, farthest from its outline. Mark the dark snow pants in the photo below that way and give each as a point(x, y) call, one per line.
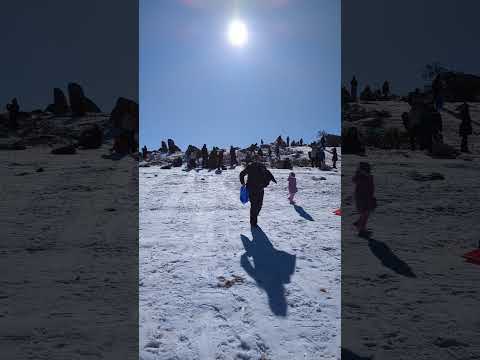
point(256, 202)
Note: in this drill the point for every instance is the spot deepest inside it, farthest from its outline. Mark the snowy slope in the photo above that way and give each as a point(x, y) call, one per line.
point(427, 226)
point(192, 230)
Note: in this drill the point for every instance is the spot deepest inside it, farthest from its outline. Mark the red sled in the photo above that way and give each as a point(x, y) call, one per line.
point(338, 212)
point(473, 256)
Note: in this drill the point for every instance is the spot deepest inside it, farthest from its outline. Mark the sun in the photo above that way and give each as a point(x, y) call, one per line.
point(237, 33)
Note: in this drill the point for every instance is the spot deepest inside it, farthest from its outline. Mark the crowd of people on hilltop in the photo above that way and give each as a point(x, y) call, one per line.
point(423, 123)
point(218, 159)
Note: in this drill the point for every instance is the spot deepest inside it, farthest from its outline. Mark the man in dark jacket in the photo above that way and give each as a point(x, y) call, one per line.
point(258, 179)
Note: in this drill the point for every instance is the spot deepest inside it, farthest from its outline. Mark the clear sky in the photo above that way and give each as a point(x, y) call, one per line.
point(394, 40)
point(49, 43)
point(196, 88)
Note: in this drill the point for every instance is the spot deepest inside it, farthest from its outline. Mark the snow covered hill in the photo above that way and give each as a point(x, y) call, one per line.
point(411, 294)
point(202, 296)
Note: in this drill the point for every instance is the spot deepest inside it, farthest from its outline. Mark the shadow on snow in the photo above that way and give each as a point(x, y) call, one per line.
point(271, 268)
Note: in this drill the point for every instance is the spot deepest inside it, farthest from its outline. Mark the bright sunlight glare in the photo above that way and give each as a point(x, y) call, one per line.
point(237, 33)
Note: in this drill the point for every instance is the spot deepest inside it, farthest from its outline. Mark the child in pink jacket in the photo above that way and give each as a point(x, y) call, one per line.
point(292, 187)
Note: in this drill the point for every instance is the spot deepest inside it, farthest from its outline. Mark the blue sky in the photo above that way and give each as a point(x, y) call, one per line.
point(197, 88)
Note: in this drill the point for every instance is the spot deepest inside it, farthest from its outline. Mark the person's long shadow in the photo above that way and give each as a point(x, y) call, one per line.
point(301, 211)
point(271, 268)
point(389, 259)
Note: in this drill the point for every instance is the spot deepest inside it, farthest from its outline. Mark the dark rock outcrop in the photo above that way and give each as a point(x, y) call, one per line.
point(60, 104)
point(124, 118)
point(460, 87)
point(172, 148)
point(91, 138)
point(164, 148)
point(177, 162)
point(79, 103)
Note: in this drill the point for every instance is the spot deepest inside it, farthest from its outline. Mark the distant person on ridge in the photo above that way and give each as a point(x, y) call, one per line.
point(204, 153)
point(13, 110)
point(354, 87)
point(465, 127)
point(258, 179)
point(233, 156)
point(364, 197)
point(220, 160)
point(292, 187)
point(288, 141)
point(386, 89)
point(437, 89)
point(321, 157)
point(334, 157)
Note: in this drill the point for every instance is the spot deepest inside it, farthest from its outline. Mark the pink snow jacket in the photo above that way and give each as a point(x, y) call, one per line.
point(292, 185)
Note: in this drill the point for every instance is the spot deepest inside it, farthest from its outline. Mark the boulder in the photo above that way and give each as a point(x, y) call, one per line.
point(283, 164)
point(76, 96)
point(64, 150)
point(91, 107)
point(122, 107)
point(79, 103)
point(91, 138)
point(60, 105)
point(172, 148)
point(460, 86)
point(177, 162)
point(191, 150)
point(124, 118)
point(164, 148)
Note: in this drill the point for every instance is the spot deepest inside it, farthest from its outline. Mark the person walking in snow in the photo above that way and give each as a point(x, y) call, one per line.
point(364, 197)
point(258, 178)
point(292, 187)
point(334, 157)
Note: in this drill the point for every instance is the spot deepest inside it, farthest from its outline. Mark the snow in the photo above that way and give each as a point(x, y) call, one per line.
point(67, 265)
point(192, 230)
point(408, 293)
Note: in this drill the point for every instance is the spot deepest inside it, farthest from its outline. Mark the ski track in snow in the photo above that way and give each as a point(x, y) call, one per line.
point(190, 234)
